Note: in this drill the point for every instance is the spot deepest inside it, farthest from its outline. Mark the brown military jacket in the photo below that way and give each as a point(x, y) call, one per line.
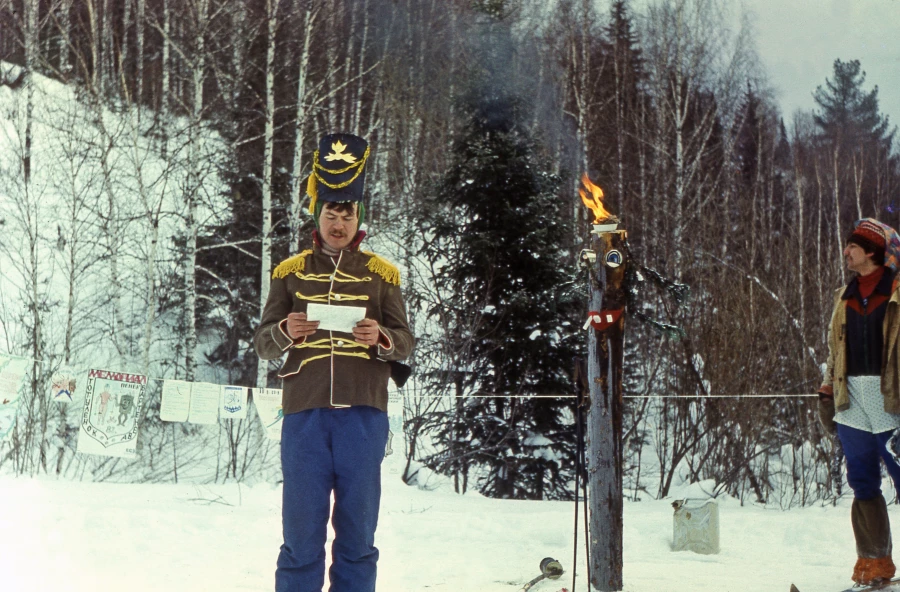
point(328, 368)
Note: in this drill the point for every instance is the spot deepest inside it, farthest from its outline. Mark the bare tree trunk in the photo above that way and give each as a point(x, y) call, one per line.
point(801, 247)
point(347, 74)
point(332, 116)
point(94, 16)
point(190, 269)
point(262, 368)
point(819, 224)
point(310, 12)
point(357, 107)
point(111, 226)
point(107, 61)
point(580, 59)
point(837, 202)
point(123, 51)
point(150, 318)
point(642, 177)
point(31, 59)
point(139, 17)
point(166, 91)
point(619, 72)
point(859, 173)
point(31, 219)
point(835, 168)
point(678, 213)
point(65, 36)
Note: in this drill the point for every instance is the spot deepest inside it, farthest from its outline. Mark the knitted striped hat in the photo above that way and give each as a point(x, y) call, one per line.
point(869, 236)
point(886, 236)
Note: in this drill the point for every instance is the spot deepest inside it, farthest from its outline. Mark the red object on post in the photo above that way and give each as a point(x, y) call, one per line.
point(603, 319)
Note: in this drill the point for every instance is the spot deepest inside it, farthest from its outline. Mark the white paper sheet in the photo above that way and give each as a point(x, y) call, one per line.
point(335, 318)
point(175, 404)
point(204, 403)
point(268, 407)
point(234, 402)
point(112, 405)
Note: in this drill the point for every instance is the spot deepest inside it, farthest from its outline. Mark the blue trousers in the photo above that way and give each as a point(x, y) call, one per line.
point(863, 451)
point(325, 451)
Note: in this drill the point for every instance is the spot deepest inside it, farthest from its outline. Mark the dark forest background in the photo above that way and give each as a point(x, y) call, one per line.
point(482, 116)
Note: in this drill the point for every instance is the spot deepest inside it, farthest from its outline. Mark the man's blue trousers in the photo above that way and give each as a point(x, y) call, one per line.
point(864, 451)
point(325, 451)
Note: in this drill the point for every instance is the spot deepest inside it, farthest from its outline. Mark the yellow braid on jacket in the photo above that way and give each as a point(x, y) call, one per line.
point(291, 265)
point(384, 268)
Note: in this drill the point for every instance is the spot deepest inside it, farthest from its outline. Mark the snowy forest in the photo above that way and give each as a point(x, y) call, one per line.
point(153, 163)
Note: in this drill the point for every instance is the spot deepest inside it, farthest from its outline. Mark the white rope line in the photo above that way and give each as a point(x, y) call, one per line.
point(763, 396)
point(404, 392)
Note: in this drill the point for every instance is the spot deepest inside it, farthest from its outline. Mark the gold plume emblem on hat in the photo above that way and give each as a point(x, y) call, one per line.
point(338, 147)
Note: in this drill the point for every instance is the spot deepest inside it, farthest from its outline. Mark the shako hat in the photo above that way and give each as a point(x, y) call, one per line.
point(338, 170)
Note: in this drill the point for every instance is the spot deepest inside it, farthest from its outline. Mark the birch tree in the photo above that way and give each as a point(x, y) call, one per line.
point(309, 9)
point(693, 71)
point(262, 374)
point(197, 63)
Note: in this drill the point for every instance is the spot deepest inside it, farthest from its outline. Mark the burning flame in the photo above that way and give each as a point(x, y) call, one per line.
point(595, 201)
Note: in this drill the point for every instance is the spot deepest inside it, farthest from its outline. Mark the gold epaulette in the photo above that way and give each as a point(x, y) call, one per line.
point(291, 265)
point(387, 270)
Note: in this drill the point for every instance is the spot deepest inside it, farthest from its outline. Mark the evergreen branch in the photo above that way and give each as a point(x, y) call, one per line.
point(679, 292)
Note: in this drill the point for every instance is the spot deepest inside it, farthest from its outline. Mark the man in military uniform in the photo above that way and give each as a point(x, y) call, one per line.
point(335, 383)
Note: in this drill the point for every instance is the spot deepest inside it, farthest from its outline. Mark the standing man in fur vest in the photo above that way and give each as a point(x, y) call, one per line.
point(335, 381)
point(860, 398)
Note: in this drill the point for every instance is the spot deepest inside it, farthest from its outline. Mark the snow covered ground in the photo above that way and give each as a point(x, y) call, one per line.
point(64, 536)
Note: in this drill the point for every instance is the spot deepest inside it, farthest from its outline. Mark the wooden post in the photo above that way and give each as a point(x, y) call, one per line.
point(604, 419)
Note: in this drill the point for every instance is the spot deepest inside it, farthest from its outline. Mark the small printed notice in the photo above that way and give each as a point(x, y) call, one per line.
point(335, 318)
point(12, 377)
point(175, 403)
point(204, 403)
point(268, 407)
point(62, 386)
point(234, 402)
point(112, 405)
point(12, 373)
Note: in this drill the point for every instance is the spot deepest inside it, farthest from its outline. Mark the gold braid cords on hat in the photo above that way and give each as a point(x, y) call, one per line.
point(315, 177)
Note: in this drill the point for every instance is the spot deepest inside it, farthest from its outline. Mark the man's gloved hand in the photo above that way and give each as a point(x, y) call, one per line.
point(826, 415)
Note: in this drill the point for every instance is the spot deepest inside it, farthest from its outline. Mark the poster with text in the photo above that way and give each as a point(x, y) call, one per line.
point(63, 385)
point(12, 378)
point(268, 407)
point(204, 403)
point(234, 402)
point(175, 400)
point(109, 421)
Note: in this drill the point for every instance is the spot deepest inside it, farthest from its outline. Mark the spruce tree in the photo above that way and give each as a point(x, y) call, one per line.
point(859, 139)
point(847, 112)
point(747, 140)
point(496, 234)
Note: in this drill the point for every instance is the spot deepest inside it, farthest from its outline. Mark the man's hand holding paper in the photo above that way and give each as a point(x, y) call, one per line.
point(299, 326)
point(367, 332)
point(336, 318)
